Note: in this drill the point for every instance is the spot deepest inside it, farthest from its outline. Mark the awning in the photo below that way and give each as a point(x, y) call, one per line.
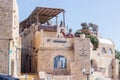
point(41, 14)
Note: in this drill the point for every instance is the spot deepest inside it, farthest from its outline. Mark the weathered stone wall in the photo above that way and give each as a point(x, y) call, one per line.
point(81, 58)
point(9, 37)
point(4, 56)
point(15, 47)
point(49, 48)
point(59, 77)
point(46, 59)
point(28, 47)
point(51, 34)
point(44, 40)
point(6, 8)
point(78, 57)
point(5, 33)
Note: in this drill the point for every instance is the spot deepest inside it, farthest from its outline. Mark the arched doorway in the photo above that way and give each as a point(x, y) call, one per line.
point(94, 64)
point(60, 62)
point(12, 67)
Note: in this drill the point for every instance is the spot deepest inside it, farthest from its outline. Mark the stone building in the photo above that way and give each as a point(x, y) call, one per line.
point(10, 41)
point(55, 54)
point(48, 49)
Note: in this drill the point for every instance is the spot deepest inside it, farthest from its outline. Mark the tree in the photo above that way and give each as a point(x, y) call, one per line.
point(117, 54)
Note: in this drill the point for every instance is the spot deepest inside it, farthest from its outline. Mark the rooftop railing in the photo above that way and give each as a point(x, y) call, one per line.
point(48, 28)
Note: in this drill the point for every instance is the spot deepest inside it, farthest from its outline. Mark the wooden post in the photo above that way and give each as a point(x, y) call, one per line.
point(56, 20)
point(37, 17)
point(64, 18)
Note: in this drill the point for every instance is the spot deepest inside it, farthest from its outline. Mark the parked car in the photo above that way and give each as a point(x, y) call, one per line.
point(7, 77)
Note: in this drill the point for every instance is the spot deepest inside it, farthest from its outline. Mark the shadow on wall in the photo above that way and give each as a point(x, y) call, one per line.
point(94, 64)
point(110, 71)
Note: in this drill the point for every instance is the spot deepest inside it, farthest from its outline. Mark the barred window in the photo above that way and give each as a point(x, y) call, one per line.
point(60, 62)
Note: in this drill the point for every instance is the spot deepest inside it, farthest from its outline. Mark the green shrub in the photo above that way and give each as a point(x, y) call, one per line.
point(93, 40)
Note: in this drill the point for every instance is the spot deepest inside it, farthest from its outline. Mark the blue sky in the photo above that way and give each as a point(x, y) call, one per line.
point(104, 13)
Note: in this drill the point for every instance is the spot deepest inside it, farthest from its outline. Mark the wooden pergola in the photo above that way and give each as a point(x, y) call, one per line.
point(42, 15)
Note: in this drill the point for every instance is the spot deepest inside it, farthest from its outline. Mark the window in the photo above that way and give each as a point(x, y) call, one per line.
point(60, 62)
point(103, 50)
point(110, 51)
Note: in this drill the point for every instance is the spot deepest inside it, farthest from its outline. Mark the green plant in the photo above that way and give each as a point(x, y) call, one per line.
point(117, 54)
point(93, 40)
point(77, 33)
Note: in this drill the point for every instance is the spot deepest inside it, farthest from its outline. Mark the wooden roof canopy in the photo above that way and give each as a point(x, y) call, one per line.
point(41, 14)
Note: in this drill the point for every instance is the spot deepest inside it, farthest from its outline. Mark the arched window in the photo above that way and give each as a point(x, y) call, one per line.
point(103, 50)
point(60, 62)
point(110, 51)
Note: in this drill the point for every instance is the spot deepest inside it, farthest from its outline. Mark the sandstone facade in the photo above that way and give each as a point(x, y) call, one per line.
point(79, 54)
point(49, 50)
point(60, 57)
point(9, 38)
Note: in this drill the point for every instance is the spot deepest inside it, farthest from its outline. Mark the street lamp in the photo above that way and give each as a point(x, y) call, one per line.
point(84, 72)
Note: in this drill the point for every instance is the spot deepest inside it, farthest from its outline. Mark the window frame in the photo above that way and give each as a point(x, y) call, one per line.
point(62, 60)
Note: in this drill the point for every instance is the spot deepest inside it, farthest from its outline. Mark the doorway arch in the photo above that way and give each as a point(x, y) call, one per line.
point(94, 64)
point(12, 67)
